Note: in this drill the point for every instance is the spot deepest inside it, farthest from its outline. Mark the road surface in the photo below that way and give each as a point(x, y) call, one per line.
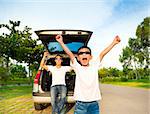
point(124, 100)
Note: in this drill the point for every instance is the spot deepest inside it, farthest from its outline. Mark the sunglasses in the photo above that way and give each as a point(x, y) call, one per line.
point(58, 58)
point(86, 52)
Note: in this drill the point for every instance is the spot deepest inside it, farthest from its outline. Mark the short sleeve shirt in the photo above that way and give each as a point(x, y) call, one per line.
point(58, 74)
point(87, 82)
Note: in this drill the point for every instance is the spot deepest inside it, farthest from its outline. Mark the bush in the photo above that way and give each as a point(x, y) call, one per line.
point(123, 79)
point(4, 74)
point(111, 79)
point(114, 79)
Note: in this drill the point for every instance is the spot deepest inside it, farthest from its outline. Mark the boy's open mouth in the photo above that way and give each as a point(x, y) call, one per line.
point(84, 58)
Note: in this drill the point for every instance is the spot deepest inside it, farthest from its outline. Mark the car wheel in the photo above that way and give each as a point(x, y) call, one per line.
point(42, 106)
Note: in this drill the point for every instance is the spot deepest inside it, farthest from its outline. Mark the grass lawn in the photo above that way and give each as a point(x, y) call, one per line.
point(16, 100)
point(7, 92)
point(133, 83)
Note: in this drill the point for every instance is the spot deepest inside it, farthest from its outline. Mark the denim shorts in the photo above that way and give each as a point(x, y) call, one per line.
point(87, 107)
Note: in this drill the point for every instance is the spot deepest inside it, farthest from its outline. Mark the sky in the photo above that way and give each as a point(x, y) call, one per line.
point(105, 18)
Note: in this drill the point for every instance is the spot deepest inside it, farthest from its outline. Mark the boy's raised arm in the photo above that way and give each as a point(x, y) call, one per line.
point(107, 49)
point(43, 64)
point(59, 39)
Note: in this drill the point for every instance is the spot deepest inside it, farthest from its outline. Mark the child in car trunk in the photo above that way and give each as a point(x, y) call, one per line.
point(58, 86)
point(87, 92)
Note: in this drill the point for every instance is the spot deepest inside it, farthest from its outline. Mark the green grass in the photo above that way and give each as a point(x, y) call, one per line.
point(133, 83)
point(7, 92)
point(141, 80)
point(16, 100)
point(16, 81)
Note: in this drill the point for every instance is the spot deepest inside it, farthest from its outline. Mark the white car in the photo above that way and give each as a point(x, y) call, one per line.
point(74, 39)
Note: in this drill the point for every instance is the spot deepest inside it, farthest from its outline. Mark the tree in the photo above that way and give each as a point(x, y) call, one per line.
point(113, 72)
point(18, 71)
point(103, 73)
point(19, 45)
point(136, 54)
point(8, 40)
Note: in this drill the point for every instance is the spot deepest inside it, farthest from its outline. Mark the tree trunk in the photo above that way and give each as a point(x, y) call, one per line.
point(30, 74)
point(7, 62)
point(136, 72)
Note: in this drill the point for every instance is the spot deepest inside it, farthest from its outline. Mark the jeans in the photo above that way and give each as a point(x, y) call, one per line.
point(87, 107)
point(58, 98)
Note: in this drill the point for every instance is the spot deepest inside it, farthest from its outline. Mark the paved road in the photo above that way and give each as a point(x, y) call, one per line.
point(124, 100)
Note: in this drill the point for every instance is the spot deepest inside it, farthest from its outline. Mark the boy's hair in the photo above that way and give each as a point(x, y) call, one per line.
point(84, 47)
point(58, 55)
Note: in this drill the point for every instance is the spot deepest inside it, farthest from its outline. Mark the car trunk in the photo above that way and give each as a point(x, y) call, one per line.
point(46, 77)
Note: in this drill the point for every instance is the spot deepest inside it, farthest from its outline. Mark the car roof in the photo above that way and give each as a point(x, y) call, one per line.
point(47, 36)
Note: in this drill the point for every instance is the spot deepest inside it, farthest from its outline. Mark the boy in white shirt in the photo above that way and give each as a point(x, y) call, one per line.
point(58, 82)
point(87, 91)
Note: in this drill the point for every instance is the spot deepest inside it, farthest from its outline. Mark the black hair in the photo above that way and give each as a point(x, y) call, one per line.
point(85, 47)
point(58, 55)
point(53, 60)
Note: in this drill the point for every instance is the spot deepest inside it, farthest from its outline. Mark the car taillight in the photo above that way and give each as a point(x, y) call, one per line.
point(36, 81)
point(37, 77)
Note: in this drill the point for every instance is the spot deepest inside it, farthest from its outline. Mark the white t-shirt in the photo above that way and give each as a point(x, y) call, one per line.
point(58, 74)
point(87, 83)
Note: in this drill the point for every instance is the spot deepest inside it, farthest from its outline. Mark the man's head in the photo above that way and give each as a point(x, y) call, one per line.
point(84, 55)
point(58, 59)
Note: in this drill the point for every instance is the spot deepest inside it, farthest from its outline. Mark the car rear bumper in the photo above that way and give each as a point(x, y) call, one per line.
point(43, 99)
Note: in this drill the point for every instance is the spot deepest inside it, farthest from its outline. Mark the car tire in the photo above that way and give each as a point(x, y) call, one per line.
point(42, 106)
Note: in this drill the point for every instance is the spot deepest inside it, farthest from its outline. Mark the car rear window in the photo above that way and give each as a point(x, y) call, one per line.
point(56, 47)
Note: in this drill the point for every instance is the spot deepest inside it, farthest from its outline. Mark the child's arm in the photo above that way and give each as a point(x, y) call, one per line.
point(59, 39)
point(106, 50)
point(42, 64)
